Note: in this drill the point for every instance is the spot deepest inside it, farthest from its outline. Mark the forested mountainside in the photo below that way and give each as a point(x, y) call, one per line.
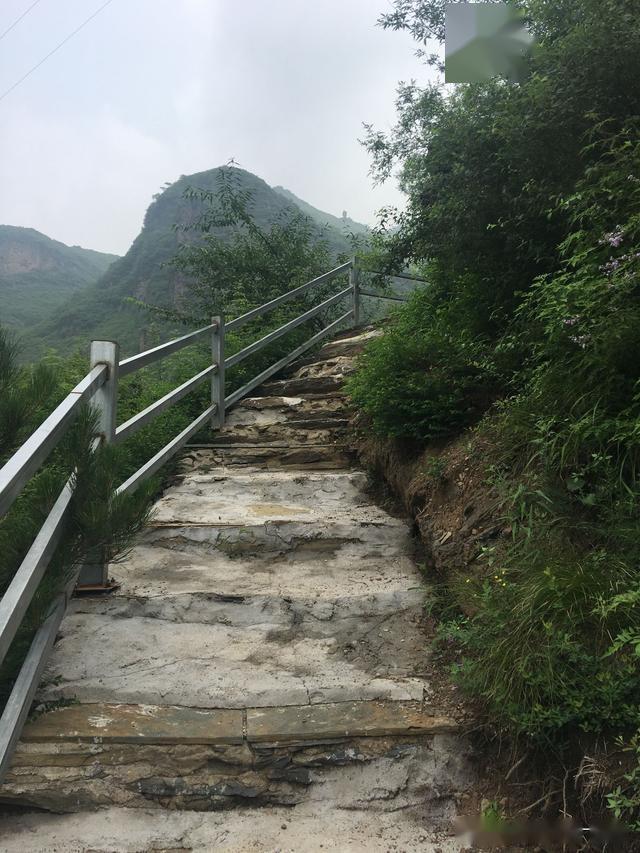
point(144, 273)
point(343, 224)
point(37, 274)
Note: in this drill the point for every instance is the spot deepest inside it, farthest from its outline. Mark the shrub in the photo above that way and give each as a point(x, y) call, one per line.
point(422, 379)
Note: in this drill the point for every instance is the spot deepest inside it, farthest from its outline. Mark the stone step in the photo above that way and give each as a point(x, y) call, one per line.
point(210, 664)
point(290, 434)
point(248, 499)
point(268, 409)
point(276, 536)
point(323, 571)
point(349, 344)
point(374, 755)
point(108, 723)
point(337, 366)
point(304, 456)
point(312, 827)
point(297, 386)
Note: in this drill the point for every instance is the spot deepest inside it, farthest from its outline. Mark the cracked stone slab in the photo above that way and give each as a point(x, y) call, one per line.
point(151, 661)
point(344, 719)
point(317, 570)
point(261, 497)
point(157, 724)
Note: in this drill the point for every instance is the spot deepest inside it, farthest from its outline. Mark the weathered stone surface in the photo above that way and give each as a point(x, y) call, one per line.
point(154, 661)
point(312, 829)
point(343, 719)
point(275, 456)
point(166, 724)
point(314, 572)
point(281, 537)
point(372, 773)
point(256, 498)
point(130, 723)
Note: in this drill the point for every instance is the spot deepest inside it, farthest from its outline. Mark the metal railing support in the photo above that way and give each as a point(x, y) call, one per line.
point(105, 402)
point(217, 379)
point(354, 284)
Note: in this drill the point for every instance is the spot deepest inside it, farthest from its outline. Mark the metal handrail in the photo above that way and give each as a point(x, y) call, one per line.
point(392, 296)
point(142, 418)
point(100, 387)
point(237, 357)
point(405, 275)
point(291, 294)
point(135, 362)
point(27, 459)
point(166, 453)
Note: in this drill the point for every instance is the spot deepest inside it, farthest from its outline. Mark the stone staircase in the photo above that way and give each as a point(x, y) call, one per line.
point(260, 679)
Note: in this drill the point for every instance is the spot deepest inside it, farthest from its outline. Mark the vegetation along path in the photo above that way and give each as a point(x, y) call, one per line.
point(259, 680)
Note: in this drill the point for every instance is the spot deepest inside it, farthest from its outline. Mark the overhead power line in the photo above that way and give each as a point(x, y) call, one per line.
point(17, 21)
point(55, 50)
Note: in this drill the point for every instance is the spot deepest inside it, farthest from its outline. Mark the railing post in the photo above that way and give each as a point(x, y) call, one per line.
point(217, 378)
point(105, 402)
point(354, 284)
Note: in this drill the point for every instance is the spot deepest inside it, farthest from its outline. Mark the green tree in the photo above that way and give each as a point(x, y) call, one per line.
point(482, 163)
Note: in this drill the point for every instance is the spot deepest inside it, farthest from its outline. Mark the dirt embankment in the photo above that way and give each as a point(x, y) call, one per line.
point(447, 491)
point(444, 489)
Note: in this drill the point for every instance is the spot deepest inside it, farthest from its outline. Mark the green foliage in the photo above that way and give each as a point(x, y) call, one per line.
point(624, 800)
point(38, 274)
point(536, 647)
point(424, 379)
point(545, 623)
point(98, 523)
point(523, 206)
point(247, 264)
point(481, 164)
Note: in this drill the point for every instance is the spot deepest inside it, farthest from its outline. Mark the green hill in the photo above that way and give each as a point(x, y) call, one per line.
point(102, 310)
point(38, 274)
point(343, 225)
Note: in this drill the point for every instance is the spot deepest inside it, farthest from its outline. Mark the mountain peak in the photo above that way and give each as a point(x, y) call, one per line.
point(102, 311)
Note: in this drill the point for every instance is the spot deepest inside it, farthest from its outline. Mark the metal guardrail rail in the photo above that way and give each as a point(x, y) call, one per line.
point(100, 388)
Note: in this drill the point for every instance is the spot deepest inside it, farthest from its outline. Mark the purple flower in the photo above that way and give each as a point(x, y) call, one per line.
point(614, 238)
point(571, 321)
point(581, 340)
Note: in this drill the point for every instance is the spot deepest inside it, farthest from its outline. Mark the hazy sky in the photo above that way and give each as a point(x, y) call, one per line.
point(152, 89)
